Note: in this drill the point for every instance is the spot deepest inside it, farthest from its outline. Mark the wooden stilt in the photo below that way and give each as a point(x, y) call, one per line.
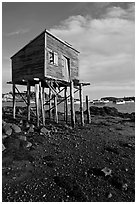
point(88, 110)
point(56, 109)
point(14, 101)
point(65, 105)
point(72, 104)
point(28, 101)
point(37, 102)
point(43, 93)
point(41, 100)
point(81, 104)
point(50, 104)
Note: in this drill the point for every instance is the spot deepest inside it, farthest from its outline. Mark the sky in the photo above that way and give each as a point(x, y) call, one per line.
point(103, 32)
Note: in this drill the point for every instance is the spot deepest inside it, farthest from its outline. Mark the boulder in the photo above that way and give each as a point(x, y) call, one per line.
point(7, 129)
point(16, 128)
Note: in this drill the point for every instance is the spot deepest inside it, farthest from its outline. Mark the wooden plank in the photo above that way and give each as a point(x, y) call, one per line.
point(42, 106)
point(72, 103)
point(28, 101)
point(37, 103)
point(81, 105)
point(14, 100)
point(88, 110)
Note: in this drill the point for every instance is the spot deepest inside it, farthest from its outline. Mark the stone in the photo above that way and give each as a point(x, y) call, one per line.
point(7, 129)
point(3, 147)
point(68, 127)
point(31, 129)
point(106, 171)
point(125, 186)
point(29, 144)
point(109, 195)
point(22, 137)
point(45, 131)
point(16, 128)
point(27, 125)
point(21, 122)
point(3, 123)
point(4, 136)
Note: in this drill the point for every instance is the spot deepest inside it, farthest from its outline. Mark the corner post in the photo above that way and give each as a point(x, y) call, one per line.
point(72, 103)
point(14, 100)
point(81, 104)
point(88, 110)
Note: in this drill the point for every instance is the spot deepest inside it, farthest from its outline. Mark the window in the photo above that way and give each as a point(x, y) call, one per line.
point(56, 58)
point(52, 57)
point(65, 68)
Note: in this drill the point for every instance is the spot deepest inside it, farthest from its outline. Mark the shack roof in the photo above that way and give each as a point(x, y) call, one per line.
point(46, 31)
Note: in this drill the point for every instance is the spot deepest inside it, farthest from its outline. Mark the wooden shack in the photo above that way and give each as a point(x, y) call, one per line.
point(45, 56)
point(49, 62)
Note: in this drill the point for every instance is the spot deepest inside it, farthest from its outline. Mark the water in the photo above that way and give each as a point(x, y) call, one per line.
point(125, 108)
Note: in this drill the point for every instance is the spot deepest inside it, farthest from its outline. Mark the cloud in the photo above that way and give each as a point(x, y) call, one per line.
point(17, 32)
point(106, 45)
point(119, 12)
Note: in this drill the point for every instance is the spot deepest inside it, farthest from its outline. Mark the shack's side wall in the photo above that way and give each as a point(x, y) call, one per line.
point(29, 61)
point(62, 50)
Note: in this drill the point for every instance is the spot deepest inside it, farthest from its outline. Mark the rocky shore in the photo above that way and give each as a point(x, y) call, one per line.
point(55, 163)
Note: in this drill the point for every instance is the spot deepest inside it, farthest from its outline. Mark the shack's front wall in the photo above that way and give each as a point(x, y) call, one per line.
point(56, 71)
point(28, 63)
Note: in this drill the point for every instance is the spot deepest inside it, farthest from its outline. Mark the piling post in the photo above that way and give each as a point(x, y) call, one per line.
point(56, 108)
point(50, 103)
point(28, 101)
point(65, 105)
point(81, 104)
point(37, 103)
point(88, 110)
point(42, 106)
point(72, 103)
point(14, 100)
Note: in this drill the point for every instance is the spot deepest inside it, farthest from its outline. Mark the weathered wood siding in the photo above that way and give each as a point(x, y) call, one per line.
point(62, 50)
point(29, 61)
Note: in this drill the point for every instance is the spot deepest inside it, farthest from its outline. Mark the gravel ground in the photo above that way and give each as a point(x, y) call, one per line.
point(94, 163)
